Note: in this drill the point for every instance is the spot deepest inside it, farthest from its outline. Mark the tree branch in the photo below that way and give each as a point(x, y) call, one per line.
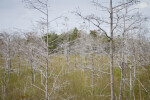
point(88, 19)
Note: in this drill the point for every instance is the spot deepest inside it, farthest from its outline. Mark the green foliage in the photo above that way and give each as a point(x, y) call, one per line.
point(93, 33)
point(74, 34)
point(52, 40)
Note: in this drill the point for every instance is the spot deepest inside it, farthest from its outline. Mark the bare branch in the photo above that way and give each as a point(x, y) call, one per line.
point(123, 4)
point(98, 26)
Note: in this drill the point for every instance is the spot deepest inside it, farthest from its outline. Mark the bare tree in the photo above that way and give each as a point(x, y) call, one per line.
point(42, 6)
point(114, 19)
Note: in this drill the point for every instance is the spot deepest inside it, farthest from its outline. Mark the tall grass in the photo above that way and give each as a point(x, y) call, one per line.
point(75, 84)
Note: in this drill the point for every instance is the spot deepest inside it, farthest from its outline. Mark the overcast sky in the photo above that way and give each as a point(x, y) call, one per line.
point(14, 14)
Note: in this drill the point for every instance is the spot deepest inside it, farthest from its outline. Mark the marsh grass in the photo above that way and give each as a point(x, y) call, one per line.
point(76, 83)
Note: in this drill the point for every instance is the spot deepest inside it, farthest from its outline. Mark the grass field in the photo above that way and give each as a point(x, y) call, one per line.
point(73, 82)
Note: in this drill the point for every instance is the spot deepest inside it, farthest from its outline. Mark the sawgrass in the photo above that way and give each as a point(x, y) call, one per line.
point(74, 83)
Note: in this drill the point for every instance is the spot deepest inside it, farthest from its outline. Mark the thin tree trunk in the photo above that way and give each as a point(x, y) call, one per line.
point(34, 71)
point(5, 81)
point(47, 59)
point(4, 91)
point(19, 66)
point(8, 61)
point(86, 61)
point(130, 81)
point(41, 77)
point(121, 81)
point(93, 83)
point(9, 68)
point(111, 52)
point(31, 65)
point(46, 96)
point(75, 67)
point(81, 61)
point(123, 57)
point(92, 78)
point(10, 64)
point(140, 94)
point(68, 63)
point(4, 88)
point(134, 64)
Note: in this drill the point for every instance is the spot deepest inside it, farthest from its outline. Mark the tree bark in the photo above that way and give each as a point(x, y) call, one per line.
point(121, 81)
point(130, 82)
point(31, 65)
point(47, 58)
point(111, 52)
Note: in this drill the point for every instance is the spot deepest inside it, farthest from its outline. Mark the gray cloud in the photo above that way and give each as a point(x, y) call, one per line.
point(14, 14)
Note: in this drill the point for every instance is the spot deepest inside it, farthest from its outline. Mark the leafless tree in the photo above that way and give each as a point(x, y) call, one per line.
point(43, 7)
point(114, 19)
